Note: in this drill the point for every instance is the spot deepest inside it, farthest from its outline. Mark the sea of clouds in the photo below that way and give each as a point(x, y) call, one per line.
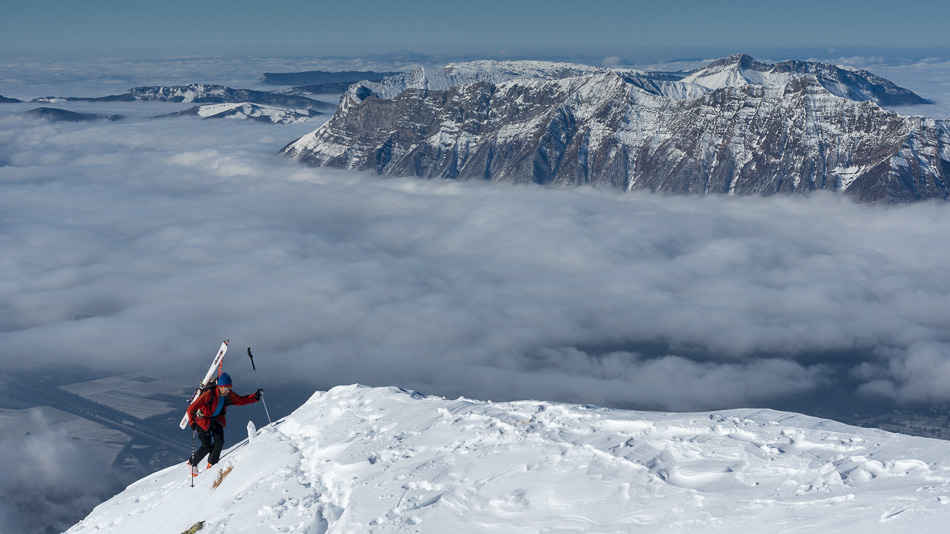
point(139, 244)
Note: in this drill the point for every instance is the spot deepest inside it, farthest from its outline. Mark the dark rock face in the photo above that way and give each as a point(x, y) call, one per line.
point(605, 128)
point(63, 115)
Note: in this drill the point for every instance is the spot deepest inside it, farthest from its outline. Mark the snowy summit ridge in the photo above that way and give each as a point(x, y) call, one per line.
point(736, 126)
point(845, 82)
point(358, 459)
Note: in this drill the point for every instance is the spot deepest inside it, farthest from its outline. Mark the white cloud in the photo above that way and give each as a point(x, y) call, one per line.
point(919, 373)
point(47, 479)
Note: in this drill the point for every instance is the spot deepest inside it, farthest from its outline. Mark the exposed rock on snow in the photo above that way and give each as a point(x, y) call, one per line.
point(737, 127)
point(246, 110)
point(359, 459)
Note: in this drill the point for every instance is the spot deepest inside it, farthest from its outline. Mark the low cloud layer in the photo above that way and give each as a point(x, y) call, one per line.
point(141, 244)
point(47, 479)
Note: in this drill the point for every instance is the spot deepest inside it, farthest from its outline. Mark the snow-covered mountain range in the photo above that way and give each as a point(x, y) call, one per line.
point(246, 110)
point(203, 93)
point(736, 126)
point(375, 460)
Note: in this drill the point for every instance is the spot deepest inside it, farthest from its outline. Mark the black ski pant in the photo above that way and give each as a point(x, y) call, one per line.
point(212, 441)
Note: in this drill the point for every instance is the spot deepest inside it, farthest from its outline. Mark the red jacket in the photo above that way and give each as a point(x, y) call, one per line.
point(206, 403)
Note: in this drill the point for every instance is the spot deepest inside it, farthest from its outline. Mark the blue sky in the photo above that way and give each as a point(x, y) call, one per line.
point(112, 27)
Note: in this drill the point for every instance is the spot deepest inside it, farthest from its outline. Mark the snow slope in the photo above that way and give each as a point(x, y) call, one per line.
point(359, 459)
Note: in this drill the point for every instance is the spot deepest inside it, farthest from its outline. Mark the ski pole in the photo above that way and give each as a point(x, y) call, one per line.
point(251, 356)
point(191, 469)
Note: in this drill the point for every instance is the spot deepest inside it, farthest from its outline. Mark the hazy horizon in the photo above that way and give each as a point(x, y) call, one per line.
point(529, 26)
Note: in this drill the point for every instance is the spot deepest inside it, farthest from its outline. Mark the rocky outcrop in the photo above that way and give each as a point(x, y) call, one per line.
point(63, 115)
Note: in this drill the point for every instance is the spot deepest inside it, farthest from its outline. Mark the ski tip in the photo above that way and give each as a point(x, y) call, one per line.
point(226, 341)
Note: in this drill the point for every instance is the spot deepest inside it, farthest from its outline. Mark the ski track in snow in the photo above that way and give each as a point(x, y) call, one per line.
point(386, 460)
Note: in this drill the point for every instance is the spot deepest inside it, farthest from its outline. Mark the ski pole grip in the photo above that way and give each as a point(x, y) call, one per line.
point(251, 356)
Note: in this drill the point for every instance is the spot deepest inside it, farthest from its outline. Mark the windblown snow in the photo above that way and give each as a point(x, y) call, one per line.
point(360, 459)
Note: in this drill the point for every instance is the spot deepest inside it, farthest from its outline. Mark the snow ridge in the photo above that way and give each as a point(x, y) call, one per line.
point(203, 93)
point(846, 82)
point(497, 72)
point(387, 460)
point(246, 110)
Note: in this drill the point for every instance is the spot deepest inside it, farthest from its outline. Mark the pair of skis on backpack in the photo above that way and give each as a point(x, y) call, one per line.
point(216, 364)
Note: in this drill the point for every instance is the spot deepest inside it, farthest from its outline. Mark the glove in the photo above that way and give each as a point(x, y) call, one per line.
point(258, 393)
point(194, 426)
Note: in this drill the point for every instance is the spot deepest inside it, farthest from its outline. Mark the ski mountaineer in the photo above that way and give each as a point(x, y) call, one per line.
point(206, 417)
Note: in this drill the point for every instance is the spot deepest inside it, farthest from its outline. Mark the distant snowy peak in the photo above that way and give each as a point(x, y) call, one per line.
point(503, 71)
point(219, 94)
point(734, 71)
point(203, 93)
point(854, 84)
point(246, 110)
point(497, 72)
point(194, 92)
point(738, 70)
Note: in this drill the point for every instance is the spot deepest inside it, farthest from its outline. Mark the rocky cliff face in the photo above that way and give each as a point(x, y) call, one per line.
point(748, 131)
